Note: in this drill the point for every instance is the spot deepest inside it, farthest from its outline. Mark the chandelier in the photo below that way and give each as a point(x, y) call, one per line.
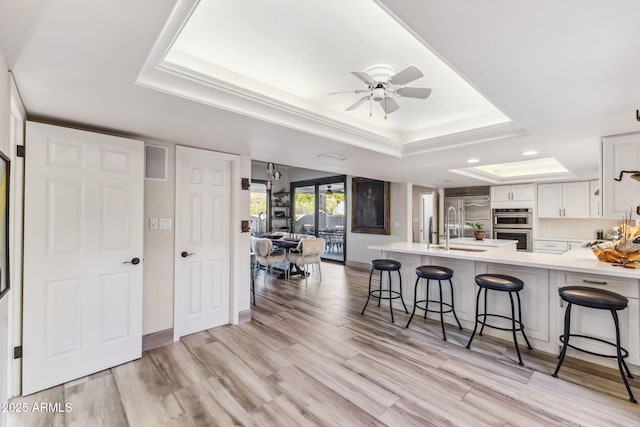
point(273, 174)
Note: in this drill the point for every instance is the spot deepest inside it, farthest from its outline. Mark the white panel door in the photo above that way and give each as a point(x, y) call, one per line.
point(203, 244)
point(83, 229)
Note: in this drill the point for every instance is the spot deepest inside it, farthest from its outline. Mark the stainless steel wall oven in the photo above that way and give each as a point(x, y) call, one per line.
point(514, 224)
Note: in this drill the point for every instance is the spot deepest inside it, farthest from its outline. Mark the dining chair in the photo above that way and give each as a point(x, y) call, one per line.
point(267, 255)
point(308, 253)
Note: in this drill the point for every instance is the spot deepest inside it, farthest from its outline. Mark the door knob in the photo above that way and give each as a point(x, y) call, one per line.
point(185, 254)
point(134, 261)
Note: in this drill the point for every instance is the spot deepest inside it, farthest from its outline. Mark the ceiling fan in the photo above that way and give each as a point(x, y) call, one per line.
point(330, 193)
point(383, 86)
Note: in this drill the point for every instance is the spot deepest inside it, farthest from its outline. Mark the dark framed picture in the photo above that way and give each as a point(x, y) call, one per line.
point(4, 224)
point(370, 206)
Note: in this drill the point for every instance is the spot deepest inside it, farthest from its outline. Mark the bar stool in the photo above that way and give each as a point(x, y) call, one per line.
point(602, 300)
point(387, 265)
point(432, 272)
point(500, 283)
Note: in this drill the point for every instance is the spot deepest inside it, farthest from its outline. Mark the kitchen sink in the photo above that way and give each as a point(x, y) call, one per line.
point(457, 249)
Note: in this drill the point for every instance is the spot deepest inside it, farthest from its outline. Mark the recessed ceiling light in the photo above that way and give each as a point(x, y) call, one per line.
point(473, 160)
point(530, 153)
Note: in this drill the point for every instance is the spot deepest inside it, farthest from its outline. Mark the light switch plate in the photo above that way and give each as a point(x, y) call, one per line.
point(166, 223)
point(153, 223)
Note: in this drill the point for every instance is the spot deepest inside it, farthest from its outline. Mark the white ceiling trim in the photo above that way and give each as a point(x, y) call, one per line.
point(159, 74)
point(470, 137)
point(493, 179)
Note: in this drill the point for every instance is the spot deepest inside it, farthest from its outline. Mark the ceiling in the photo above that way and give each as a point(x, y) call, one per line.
point(563, 73)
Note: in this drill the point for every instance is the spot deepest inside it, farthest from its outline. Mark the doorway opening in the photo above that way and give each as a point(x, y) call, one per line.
point(319, 208)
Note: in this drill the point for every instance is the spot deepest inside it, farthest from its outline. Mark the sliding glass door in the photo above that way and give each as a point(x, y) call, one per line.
point(305, 210)
point(319, 209)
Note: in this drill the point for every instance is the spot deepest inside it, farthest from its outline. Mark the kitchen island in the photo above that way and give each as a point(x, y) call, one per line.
point(542, 308)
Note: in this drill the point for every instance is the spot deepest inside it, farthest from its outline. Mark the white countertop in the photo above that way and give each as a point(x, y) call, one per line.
point(491, 243)
point(581, 260)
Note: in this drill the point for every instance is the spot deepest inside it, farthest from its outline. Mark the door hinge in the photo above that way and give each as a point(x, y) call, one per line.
point(20, 151)
point(17, 352)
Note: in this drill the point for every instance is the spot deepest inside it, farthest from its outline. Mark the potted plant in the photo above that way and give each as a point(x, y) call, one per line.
point(478, 232)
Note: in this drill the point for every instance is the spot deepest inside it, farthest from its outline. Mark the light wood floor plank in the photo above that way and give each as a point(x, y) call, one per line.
point(243, 383)
point(353, 387)
point(262, 360)
point(147, 398)
point(328, 406)
point(178, 366)
point(26, 410)
point(87, 410)
point(284, 412)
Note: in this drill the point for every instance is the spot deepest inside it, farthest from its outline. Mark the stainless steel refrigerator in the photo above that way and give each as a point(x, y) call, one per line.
point(472, 204)
point(429, 217)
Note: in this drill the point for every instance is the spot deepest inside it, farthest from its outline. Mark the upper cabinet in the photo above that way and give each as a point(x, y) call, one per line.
point(595, 210)
point(619, 198)
point(508, 193)
point(564, 200)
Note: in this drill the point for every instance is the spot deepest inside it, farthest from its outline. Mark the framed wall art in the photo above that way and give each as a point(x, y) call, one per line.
point(370, 206)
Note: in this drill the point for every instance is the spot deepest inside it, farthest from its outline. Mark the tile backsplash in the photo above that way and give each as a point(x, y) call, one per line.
point(573, 228)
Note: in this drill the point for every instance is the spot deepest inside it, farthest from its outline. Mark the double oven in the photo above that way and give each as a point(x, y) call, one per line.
point(514, 224)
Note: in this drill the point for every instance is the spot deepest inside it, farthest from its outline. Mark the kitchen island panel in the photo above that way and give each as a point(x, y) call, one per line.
point(543, 311)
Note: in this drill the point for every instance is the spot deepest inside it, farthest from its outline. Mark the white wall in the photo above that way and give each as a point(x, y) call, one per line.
point(5, 96)
point(159, 201)
point(159, 246)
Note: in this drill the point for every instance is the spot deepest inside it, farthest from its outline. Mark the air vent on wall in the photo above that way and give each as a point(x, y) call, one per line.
point(155, 162)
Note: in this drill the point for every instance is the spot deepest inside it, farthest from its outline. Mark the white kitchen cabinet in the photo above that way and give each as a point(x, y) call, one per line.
point(564, 200)
point(620, 153)
point(598, 323)
point(507, 193)
point(595, 201)
point(550, 246)
point(554, 246)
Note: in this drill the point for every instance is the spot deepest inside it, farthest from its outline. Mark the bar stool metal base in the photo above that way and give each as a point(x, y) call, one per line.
point(385, 294)
point(621, 353)
point(516, 323)
point(416, 304)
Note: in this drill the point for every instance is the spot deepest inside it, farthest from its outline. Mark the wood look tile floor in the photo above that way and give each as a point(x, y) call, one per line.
point(309, 358)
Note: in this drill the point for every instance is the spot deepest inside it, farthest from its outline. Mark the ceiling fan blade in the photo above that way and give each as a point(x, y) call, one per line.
point(414, 92)
point(348, 91)
point(405, 76)
point(357, 103)
point(389, 105)
point(364, 77)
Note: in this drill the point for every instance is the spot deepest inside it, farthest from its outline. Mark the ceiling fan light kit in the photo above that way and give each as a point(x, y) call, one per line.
point(383, 86)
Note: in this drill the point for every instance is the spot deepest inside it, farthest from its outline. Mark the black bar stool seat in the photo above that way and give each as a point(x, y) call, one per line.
point(593, 298)
point(387, 265)
point(501, 283)
point(434, 272)
point(599, 299)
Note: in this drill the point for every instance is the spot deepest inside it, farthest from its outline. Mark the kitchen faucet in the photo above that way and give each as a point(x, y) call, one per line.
point(448, 227)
